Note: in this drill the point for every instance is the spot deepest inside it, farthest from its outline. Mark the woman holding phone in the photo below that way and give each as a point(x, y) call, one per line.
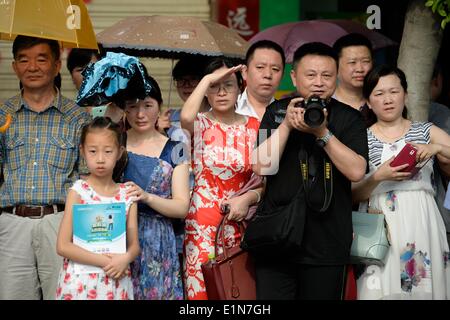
point(416, 265)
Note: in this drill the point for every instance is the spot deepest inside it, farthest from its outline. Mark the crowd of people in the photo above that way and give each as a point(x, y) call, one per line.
point(231, 147)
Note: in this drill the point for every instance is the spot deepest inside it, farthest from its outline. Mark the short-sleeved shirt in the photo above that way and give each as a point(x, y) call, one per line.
point(244, 107)
point(327, 235)
point(439, 115)
point(40, 151)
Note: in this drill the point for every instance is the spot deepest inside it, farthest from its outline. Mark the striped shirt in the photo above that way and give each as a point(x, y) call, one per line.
point(39, 153)
point(380, 152)
point(419, 132)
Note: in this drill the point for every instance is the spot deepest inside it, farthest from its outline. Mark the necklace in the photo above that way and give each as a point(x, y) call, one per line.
point(395, 137)
point(228, 124)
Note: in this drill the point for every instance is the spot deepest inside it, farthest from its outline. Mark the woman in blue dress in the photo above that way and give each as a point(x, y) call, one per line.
point(158, 178)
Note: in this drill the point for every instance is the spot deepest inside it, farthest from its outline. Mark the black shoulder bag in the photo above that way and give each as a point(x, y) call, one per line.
point(281, 231)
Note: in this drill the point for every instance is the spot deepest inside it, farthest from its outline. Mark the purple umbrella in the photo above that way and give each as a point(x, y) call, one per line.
point(292, 35)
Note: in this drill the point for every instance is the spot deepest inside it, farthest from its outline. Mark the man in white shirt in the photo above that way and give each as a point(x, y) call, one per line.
point(263, 72)
point(355, 61)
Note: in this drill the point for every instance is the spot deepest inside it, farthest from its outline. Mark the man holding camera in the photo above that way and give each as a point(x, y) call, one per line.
point(333, 137)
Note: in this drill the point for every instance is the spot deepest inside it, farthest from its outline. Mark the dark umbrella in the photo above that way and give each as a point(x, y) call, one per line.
point(292, 35)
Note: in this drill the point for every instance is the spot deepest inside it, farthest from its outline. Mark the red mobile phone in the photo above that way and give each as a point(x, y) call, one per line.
point(408, 155)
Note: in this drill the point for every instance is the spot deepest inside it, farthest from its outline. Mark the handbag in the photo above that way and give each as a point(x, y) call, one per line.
point(370, 243)
point(231, 275)
point(278, 232)
point(350, 289)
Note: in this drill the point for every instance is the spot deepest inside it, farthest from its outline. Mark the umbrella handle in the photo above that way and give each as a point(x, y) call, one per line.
point(8, 121)
point(170, 86)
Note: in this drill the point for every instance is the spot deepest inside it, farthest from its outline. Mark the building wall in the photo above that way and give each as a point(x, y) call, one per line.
point(272, 14)
point(105, 13)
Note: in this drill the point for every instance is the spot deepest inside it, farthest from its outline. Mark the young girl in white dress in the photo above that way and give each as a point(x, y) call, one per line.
point(101, 147)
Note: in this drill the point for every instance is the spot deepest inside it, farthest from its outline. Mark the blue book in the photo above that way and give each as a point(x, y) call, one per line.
point(99, 228)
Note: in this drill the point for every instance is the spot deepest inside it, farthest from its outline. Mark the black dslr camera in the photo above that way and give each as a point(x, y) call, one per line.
point(313, 106)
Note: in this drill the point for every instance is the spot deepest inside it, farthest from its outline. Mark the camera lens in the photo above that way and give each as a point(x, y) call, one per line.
point(314, 116)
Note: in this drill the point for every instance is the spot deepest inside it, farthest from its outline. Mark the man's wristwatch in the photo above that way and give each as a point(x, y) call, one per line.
point(322, 141)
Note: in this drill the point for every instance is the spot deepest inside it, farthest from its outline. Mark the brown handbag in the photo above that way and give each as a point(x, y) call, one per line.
point(231, 275)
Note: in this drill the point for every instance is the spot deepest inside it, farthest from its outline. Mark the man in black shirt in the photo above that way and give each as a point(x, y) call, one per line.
point(317, 269)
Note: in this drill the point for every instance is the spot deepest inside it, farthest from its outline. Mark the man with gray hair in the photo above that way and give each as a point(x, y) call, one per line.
point(40, 161)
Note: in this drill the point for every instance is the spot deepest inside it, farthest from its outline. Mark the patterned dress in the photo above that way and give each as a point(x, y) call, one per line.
point(417, 261)
point(221, 165)
point(156, 271)
point(94, 286)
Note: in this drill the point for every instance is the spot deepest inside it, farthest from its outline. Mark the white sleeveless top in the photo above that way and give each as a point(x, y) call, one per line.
point(380, 151)
point(90, 196)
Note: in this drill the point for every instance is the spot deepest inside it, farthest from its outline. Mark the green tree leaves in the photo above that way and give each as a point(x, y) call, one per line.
point(442, 7)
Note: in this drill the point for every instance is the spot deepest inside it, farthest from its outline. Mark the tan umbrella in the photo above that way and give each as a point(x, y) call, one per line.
point(172, 37)
point(67, 21)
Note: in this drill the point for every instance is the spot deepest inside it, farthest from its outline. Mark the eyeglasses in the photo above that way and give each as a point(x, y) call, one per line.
point(187, 83)
point(228, 87)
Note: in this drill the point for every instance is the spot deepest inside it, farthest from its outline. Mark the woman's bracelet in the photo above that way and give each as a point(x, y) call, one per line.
point(257, 194)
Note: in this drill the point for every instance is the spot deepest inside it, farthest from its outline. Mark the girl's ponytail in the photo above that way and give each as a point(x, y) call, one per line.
point(121, 164)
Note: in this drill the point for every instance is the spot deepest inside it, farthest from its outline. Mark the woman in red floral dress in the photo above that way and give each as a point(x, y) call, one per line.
point(222, 145)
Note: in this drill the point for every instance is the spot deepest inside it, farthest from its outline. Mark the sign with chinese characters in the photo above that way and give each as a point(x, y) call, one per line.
point(240, 15)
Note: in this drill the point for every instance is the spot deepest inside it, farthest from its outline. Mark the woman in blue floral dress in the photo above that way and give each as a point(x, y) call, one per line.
point(157, 176)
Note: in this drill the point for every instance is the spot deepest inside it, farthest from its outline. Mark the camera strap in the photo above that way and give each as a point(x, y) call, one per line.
point(309, 172)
